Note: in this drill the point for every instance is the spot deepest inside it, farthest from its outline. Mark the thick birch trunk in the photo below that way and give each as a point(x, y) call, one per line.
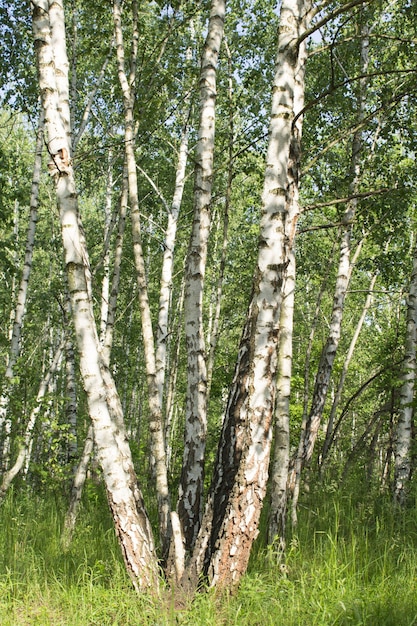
point(155, 409)
point(106, 340)
point(402, 468)
point(230, 522)
point(279, 474)
point(192, 476)
point(131, 522)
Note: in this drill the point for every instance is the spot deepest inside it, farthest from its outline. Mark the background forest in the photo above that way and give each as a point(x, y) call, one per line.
point(163, 164)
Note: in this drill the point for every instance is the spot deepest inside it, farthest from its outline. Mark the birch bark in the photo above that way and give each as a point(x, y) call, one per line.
point(125, 500)
point(192, 476)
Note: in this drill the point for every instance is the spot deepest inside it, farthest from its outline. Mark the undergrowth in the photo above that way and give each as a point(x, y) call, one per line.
point(351, 562)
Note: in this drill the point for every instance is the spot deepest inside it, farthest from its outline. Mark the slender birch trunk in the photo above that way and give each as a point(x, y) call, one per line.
point(156, 426)
point(105, 285)
point(192, 476)
point(348, 358)
point(328, 354)
point(20, 307)
point(77, 489)
point(403, 439)
point(214, 334)
point(165, 291)
point(231, 518)
point(125, 500)
point(279, 474)
point(107, 336)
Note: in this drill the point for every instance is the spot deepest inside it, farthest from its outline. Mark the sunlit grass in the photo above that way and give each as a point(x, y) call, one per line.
point(348, 563)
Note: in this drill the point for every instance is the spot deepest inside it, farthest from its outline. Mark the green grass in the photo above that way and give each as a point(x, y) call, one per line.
point(349, 563)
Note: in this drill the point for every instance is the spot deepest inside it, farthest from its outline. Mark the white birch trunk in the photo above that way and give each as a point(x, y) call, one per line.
point(192, 476)
point(155, 425)
point(106, 340)
point(107, 337)
point(403, 439)
point(230, 523)
point(77, 489)
point(105, 285)
point(131, 522)
point(215, 327)
point(168, 266)
point(70, 386)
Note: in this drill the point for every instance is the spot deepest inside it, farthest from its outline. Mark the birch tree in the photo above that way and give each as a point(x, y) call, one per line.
point(192, 477)
point(125, 500)
point(279, 474)
point(127, 78)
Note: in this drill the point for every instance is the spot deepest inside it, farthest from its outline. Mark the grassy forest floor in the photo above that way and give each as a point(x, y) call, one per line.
point(352, 561)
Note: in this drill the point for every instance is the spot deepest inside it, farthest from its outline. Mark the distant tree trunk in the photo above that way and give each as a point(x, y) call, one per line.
point(279, 473)
point(125, 500)
point(231, 517)
point(192, 476)
point(70, 386)
point(403, 439)
point(348, 358)
point(20, 307)
point(77, 489)
point(25, 446)
point(328, 354)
